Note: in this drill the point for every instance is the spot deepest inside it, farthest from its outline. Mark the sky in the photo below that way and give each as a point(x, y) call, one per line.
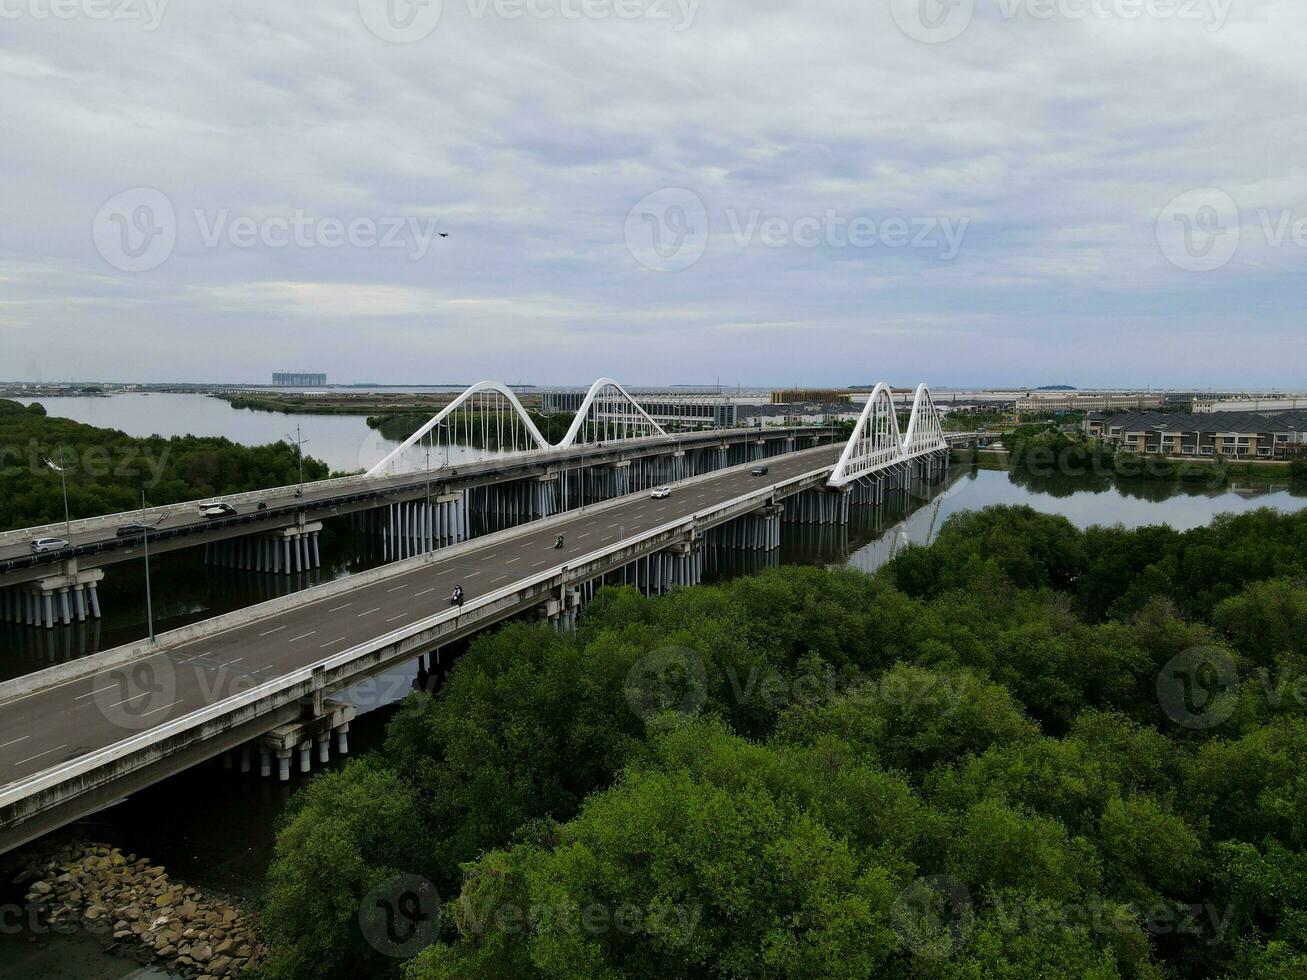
point(963, 192)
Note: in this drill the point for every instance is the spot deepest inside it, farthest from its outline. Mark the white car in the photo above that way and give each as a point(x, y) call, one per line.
point(659, 493)
point(217, 510)
point(42, 545)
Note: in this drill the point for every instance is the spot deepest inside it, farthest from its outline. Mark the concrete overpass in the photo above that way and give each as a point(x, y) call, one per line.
point(42, 589)
point(76, 737)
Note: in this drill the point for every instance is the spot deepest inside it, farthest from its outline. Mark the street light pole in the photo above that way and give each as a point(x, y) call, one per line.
point(300, 443)
point(63, 483)
point(149, 599)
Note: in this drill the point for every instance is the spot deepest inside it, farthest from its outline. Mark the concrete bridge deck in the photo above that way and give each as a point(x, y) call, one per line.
point(76, 737)
point(95, 543)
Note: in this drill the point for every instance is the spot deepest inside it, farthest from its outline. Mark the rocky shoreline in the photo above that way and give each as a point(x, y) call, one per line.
point(134, 905)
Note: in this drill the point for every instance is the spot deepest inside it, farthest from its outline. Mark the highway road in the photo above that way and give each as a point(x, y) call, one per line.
point(52, 726)
point(283, 505)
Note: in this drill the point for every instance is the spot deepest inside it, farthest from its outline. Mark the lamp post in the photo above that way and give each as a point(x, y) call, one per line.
point(300, 443)
point(63, 483)
point(149, 596)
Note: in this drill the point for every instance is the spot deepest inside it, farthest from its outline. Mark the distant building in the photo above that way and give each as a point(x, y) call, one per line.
point(670, 409)
point(291, 379)
point(811, 396)
point(1074, 401)
point(1248, 435)
point(1251, 403)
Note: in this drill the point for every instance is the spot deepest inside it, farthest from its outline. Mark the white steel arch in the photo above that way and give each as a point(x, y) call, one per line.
point(608, 412)
point(925, 432)
point(876, 444)
point(609, 408)
point(493, 387)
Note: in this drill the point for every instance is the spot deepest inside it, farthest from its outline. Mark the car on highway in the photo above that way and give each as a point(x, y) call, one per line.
point(759, 471)
point(217, 510)
point(42, 545)
point(131, 530)
point(660, 493)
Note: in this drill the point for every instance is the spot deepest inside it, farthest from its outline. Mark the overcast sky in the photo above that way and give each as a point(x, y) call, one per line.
point(758, 191)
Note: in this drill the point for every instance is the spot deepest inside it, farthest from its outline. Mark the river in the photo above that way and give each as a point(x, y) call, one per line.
point(215, 828)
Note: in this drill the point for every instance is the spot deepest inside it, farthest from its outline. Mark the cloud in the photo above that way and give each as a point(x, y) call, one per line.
point(529, 141)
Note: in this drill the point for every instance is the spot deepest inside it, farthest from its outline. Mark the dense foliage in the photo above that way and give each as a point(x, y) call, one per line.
point(106, 470)
point(1003, 756)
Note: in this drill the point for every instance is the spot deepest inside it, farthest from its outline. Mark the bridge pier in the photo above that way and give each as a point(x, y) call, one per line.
point(54, 599)
point(759, 531)
point(297, 739)
point(829, 505)
point(413, 527)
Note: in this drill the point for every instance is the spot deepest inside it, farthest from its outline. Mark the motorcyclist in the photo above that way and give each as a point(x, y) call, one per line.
point(558, 541)
point(458, 595)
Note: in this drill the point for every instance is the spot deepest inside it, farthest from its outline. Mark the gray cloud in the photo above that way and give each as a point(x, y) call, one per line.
point(529, 141)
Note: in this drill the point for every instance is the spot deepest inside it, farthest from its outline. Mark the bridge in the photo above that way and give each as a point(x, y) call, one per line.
point(260, 681)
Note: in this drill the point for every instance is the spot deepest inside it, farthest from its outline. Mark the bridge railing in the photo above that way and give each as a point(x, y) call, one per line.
point(345, 485)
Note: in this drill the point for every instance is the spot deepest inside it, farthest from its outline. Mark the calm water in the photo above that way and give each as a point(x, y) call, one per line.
point(215, 827)
point(343, 442)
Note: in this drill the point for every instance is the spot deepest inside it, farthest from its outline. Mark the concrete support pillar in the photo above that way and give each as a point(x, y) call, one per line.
point(342, 739)
point(283, 765)
point(245, 758)
point(324, 747)
point(265, 763)
point(305, 758)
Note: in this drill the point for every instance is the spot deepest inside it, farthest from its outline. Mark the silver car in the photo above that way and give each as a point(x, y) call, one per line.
point(42, 545)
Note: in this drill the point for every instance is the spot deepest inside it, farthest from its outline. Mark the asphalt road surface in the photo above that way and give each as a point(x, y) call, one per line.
point(58, 724)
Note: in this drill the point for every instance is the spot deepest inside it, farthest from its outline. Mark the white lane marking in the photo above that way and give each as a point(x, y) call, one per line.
point(270, 632)
point(393, 618)
point(418, 595)
point(538, 564)
point(511, 560)
point(291, 640)
point(492, 582)
point(107, 687)
point(488, 557)
point(15, 741)
point(398, 587)
point(368, 613)
point(339, 608)
point(164, 708)
point(587, 533)
point(132, 698)
point(473, 574)
point(332, 643)
point(236, 661)
point(39, 754)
